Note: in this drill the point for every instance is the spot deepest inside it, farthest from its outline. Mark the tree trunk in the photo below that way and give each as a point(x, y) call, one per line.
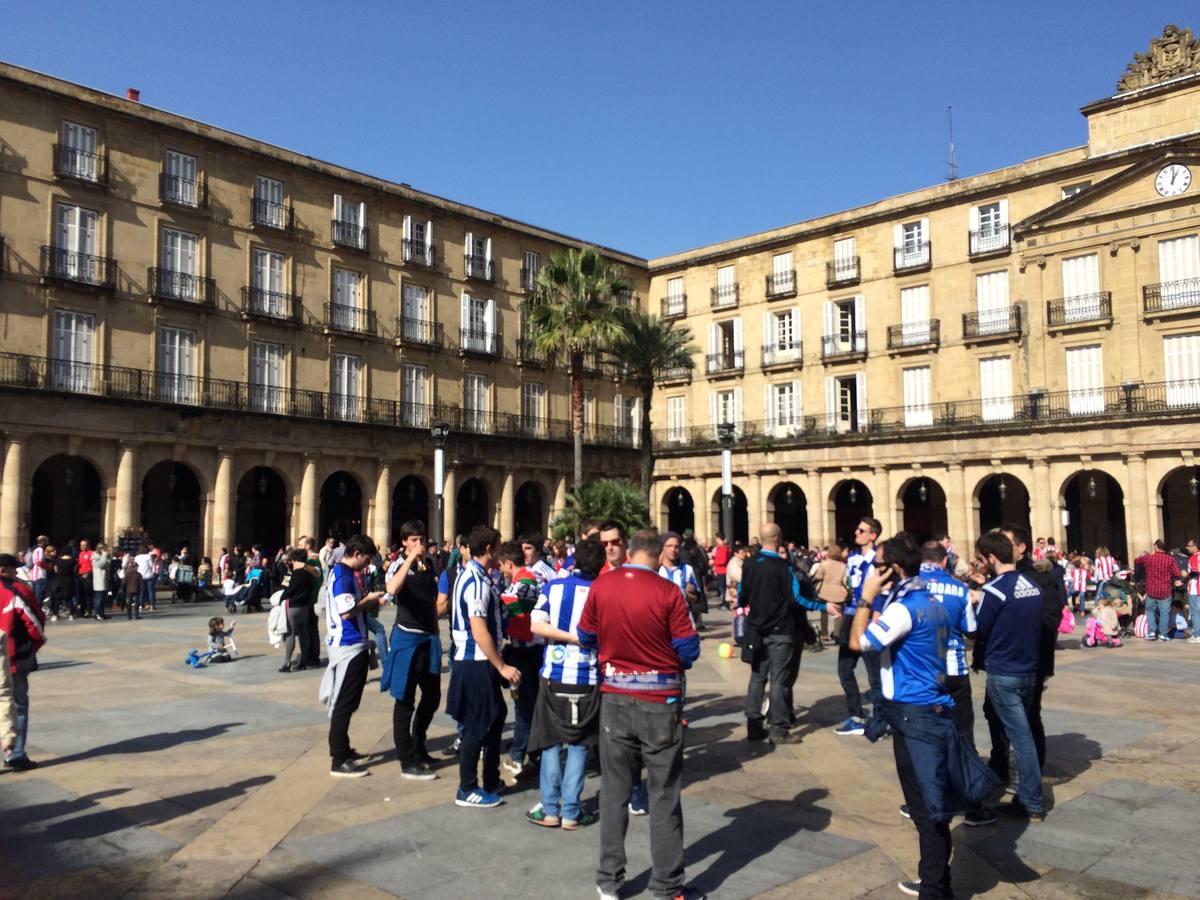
point(647, 444)
point(577, 414)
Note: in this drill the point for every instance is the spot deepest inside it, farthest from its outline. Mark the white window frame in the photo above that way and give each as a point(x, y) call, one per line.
point(995, 396)
point(1179, 271)
point(918, 396)
point(176, 369)
point(533, 407)
point(179, 272)
point(1085, 379)
point(82, 144)
point(73, 343)
point(414, 395)
point(268, 272)
point(915, 325)
point(346, 387)
point(182, 183)
point(268, 192)
point(476, 402)
point(76, 236)
point(347, 299)
point(992, 305)
point(1181, 368)
point(676, 419)
point(266, 376)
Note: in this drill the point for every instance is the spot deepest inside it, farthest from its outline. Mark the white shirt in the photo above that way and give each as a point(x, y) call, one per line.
point(145, 564)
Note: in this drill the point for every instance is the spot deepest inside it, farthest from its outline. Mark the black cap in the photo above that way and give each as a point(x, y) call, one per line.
point(8, 561)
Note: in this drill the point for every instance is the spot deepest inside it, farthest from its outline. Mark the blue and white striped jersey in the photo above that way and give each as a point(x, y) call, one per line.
point(560, 605)
point(680, 576)
point(955, 597)
point(341, 587)
point(475, 596)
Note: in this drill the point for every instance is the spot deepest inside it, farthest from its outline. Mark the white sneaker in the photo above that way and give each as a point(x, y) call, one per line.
point(1194, 640)
point(54, 618)
point(604, 895)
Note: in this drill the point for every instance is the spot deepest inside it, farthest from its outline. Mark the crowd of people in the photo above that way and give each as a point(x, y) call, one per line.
point(591, 640)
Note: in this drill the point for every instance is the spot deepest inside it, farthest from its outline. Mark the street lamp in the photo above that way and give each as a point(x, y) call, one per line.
point(440, 431)
point(725, 433)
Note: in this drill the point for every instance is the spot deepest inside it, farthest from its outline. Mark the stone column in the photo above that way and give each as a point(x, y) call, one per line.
point(895, 478)
point(222, 525)
point(309, 500)
point(754, 504)
point(971, 521)
point(810, 484)
point(382, 526)
point(450, 504)
point(1137, 502)
point(956, 511)
point(560, 496)
point(505, 522)
point(125, 514)
point(1041, 512)
point(824, 515)
point(12, 498)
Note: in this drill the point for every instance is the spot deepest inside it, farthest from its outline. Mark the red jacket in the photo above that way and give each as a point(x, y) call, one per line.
point(23, 623)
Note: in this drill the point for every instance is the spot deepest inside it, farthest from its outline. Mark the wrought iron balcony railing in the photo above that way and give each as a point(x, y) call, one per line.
point(479, 342)
point(913, 256)
point(841, 272)
point(782, 353)
point(914, 334)
point(725, 296)
point(419, 253)
point(272, 215)
point(674, 306)
point(80, 165)
point(729, 363)
point(418, 332)
point(781, 284)
point(1079, 309)
point(1171, 295)
point(984, 241)
point(477, 267)
point(186, 192)
point(350, 234)
point(79, 268)
point(350, 319)
point(844, 346)
point(169, 284)
point(1001, 323)
point(527, 353)
point(271, 304)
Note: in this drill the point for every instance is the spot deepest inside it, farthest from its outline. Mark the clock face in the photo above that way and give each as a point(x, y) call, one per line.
point(1173, 180)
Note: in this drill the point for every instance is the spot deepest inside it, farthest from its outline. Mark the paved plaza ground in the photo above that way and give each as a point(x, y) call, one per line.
point(161, 780)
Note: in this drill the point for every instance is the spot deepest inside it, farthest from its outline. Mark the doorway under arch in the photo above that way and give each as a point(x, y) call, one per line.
point(262, 515)
point(852, 502)
point(924, 505)
point(529, 510)
point(66, 502)
point(410, 500)
point(471, 506)
point(1002, 499)
point(1180, 496)
point(680, 510)
point(741, 518)
point(171, 506)
point(788, 508)
point(341, 514)
point(1095, 505)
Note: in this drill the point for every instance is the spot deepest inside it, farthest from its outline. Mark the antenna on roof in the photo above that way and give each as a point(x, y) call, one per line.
point(951, 162)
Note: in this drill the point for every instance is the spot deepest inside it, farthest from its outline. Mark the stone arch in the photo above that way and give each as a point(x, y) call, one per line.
point(263, 509)
point(1000, 498)
point(741, 517)
point(848, 502)
point(922, 504)
point(1095, 503)
point(66, 500)
point(342, 505)
point(1179, 494)
point(529, 508)
point(678, 509)
point(173, 505)
point(472, 504)
point(411, 499)
point(787, 507)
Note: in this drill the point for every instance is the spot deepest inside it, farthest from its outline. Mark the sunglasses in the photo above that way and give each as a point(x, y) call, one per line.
point(615, 542)
point(863, 531)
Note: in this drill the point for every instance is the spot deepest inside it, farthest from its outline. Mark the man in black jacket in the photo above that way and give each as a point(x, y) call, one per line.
point(1048, 576)
point(771, 592)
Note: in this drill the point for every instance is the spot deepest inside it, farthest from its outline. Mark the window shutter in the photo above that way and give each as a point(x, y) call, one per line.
point(860, 389)
point(337, 207)
point(429, 242)
point(897, 236)
point(797, 400)
point(713, 407)
point(1004, 211)
point(924, 229)
point(860, 322)
point(830, 318)
point(469, 244)
point(768, 333)
point(487, 252)
point(831, 403)
point(408, 237)
point(737, 407)
point(737, 335)
point(489, 318)
point(465, 312)
point(974, 219)
point(714, 339)
point(796, 342)
point(769, 407)
point(362, 217)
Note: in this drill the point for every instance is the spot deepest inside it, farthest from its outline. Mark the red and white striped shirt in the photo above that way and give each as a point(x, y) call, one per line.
point(1039, 552)
point(1079, 579)
point(1106, 567)
point(1194, 575)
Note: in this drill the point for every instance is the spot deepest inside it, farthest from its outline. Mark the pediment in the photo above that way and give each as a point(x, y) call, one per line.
point(1124, 193)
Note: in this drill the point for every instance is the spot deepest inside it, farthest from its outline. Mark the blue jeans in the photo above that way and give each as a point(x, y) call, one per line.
point(1194, 606)
point(1012, 697)
point(381, 643)
point(21, 709)
point(147, 598)
point(1158, 616)
point(562, 787)
point(98, 598)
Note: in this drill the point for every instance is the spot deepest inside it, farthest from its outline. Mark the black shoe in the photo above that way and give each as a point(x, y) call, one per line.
point(977, 818)
point(356, 756)
point(285, 668)
point(904, 811)
point(24, 764)
point(347, 768)
point(787, 738)
point(756, 733)
point(912, 888)
point(417, 771)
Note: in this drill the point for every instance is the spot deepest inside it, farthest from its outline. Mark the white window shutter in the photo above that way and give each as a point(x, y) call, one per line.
point(924, 228)
point(797, 399)
point(737, 406)
point(465, 321)
point(974, 221)
point(737, 335)
point(487, 251)
point(768, 334)
point(860, 389)
point(362, 217)
point(769, 407)
point(408, 228)
point(830, 319)
point(831, 403)
point(713, 411)
point(489, 317)
point(429, 241)
point(469, 244)
point(1004, 211)
point(337, 207)
point(897, 236)
point(796, 326)
point(860, 320)
point(714, 339)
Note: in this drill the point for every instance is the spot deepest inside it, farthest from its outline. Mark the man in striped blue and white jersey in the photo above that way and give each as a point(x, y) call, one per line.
point(568, 702)
point(680, 574)
point(475, 699)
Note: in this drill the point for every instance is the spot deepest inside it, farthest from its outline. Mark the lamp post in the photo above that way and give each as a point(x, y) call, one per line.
point(725, 433)
point(439, 430)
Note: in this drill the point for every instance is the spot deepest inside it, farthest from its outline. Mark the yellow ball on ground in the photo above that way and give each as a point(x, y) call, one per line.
point(725, 650)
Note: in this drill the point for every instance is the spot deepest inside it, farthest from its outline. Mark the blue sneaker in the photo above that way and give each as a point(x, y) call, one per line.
point(637, 800)
point(851, 726)
point(478, 798)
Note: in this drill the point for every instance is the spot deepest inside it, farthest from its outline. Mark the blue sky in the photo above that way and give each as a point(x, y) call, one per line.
point(646, 126)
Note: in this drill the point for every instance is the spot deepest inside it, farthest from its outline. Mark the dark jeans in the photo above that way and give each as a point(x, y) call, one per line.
point(472, 747)
point(409, 732)
point(528, 661)
point(933, 837)
point(722, 587)
point(959, 689)
point(847, 660)
point(314, 641)
point(634, 733)
point(793, 672)
point(772, 662)
point(298, 617)
point(1007, 707)
point(98, 598)
point(133, 609)
point(345, 706)
point(1035, 721)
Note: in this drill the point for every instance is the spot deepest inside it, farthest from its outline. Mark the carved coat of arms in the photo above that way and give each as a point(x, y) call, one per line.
point(1175, 53)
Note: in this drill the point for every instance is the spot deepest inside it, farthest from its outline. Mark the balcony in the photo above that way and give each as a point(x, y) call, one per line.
point(914, 336)
point(261, 303)
point(349, 319)
point(781, 284)
point(418, 253)
point(477, 267)
point(782, 353)
point(725, 297)
point(181, 287)
point(479, 342)
point(1003, 324)
point(675, 375)
point(842, 272)
point(674, 306)
point(849, 347)
point(528, 279)
point(268, 214)
point(418, 332)
point(528, 355)
point(1083, 311)
point(993, 241)
point(79, 165)
point(1168, 297)
point(914, 257)
point(350, 235)
point(183, 192)
point(732, 362)
point(78, 268)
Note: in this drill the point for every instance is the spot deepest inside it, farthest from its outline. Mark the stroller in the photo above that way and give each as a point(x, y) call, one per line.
point(1126, 600)
point(185, 584)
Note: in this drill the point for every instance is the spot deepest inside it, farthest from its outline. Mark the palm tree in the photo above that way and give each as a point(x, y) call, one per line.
point(572, 312)
point(649, 349)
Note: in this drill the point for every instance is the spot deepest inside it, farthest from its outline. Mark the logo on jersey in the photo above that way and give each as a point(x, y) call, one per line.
point(1024, 588)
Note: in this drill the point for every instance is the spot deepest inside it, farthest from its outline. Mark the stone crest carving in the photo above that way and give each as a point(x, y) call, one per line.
point(1175, 53)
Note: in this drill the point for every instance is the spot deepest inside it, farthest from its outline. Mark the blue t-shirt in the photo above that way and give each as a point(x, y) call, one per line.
point(344, 594)
point(1010, 625)
point(957, 600)
point(910, 637)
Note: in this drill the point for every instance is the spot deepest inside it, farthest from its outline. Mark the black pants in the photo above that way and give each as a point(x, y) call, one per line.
point(772, 663)
point(933, 837)
point(472, 747)
point(793, 672)
point(634, 733)
point(407, 731)
point(314, 641)
point(846, 663)
point(527, 661)
point(345, 706)
point(297, 617)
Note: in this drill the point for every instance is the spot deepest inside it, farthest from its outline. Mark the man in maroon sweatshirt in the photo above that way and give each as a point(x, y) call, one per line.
point(639, 623)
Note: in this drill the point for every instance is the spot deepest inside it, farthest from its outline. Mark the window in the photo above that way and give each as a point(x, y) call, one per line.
point(781, 337)
point(266, 377)
point(783, 274)
point(267, 294)
point(78, 157)
point(991, 302)
point(845, 260)
point(846, 403)
point(177, 365)
point(346, 309)
point(1085, 380)
point(1072, 189)
point(179, 274)
point(478, 257)
point(349, 223)
point(628, 415)
point(475, 402)
point(479, 324)
point(346, 396)
point(844, 326)
point(726, 292)
point(418, 241)
point(989, 227)
point(781, 405)
point(1179, 272)
point(911, 240)
point(725, 351)
point(531, 263)
point(268, 202)
point(1081, 287)
point(676, 419)
point(914, 315)
point(74, 338)
point(589, 412)
point(415, 322)
point(533, 407)
point(918, 411)
point(179, 180)
point(725, 406)
point(414, 409)
point(676, 299)
point(75, 238)
point(1181, 358)
point(995, 388)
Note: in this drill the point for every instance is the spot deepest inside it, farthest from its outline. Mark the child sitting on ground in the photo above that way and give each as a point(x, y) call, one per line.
point(220, 640)
point(1103, 626)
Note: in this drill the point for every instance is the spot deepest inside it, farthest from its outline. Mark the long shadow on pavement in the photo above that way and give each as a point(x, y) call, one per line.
point(147, 743)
